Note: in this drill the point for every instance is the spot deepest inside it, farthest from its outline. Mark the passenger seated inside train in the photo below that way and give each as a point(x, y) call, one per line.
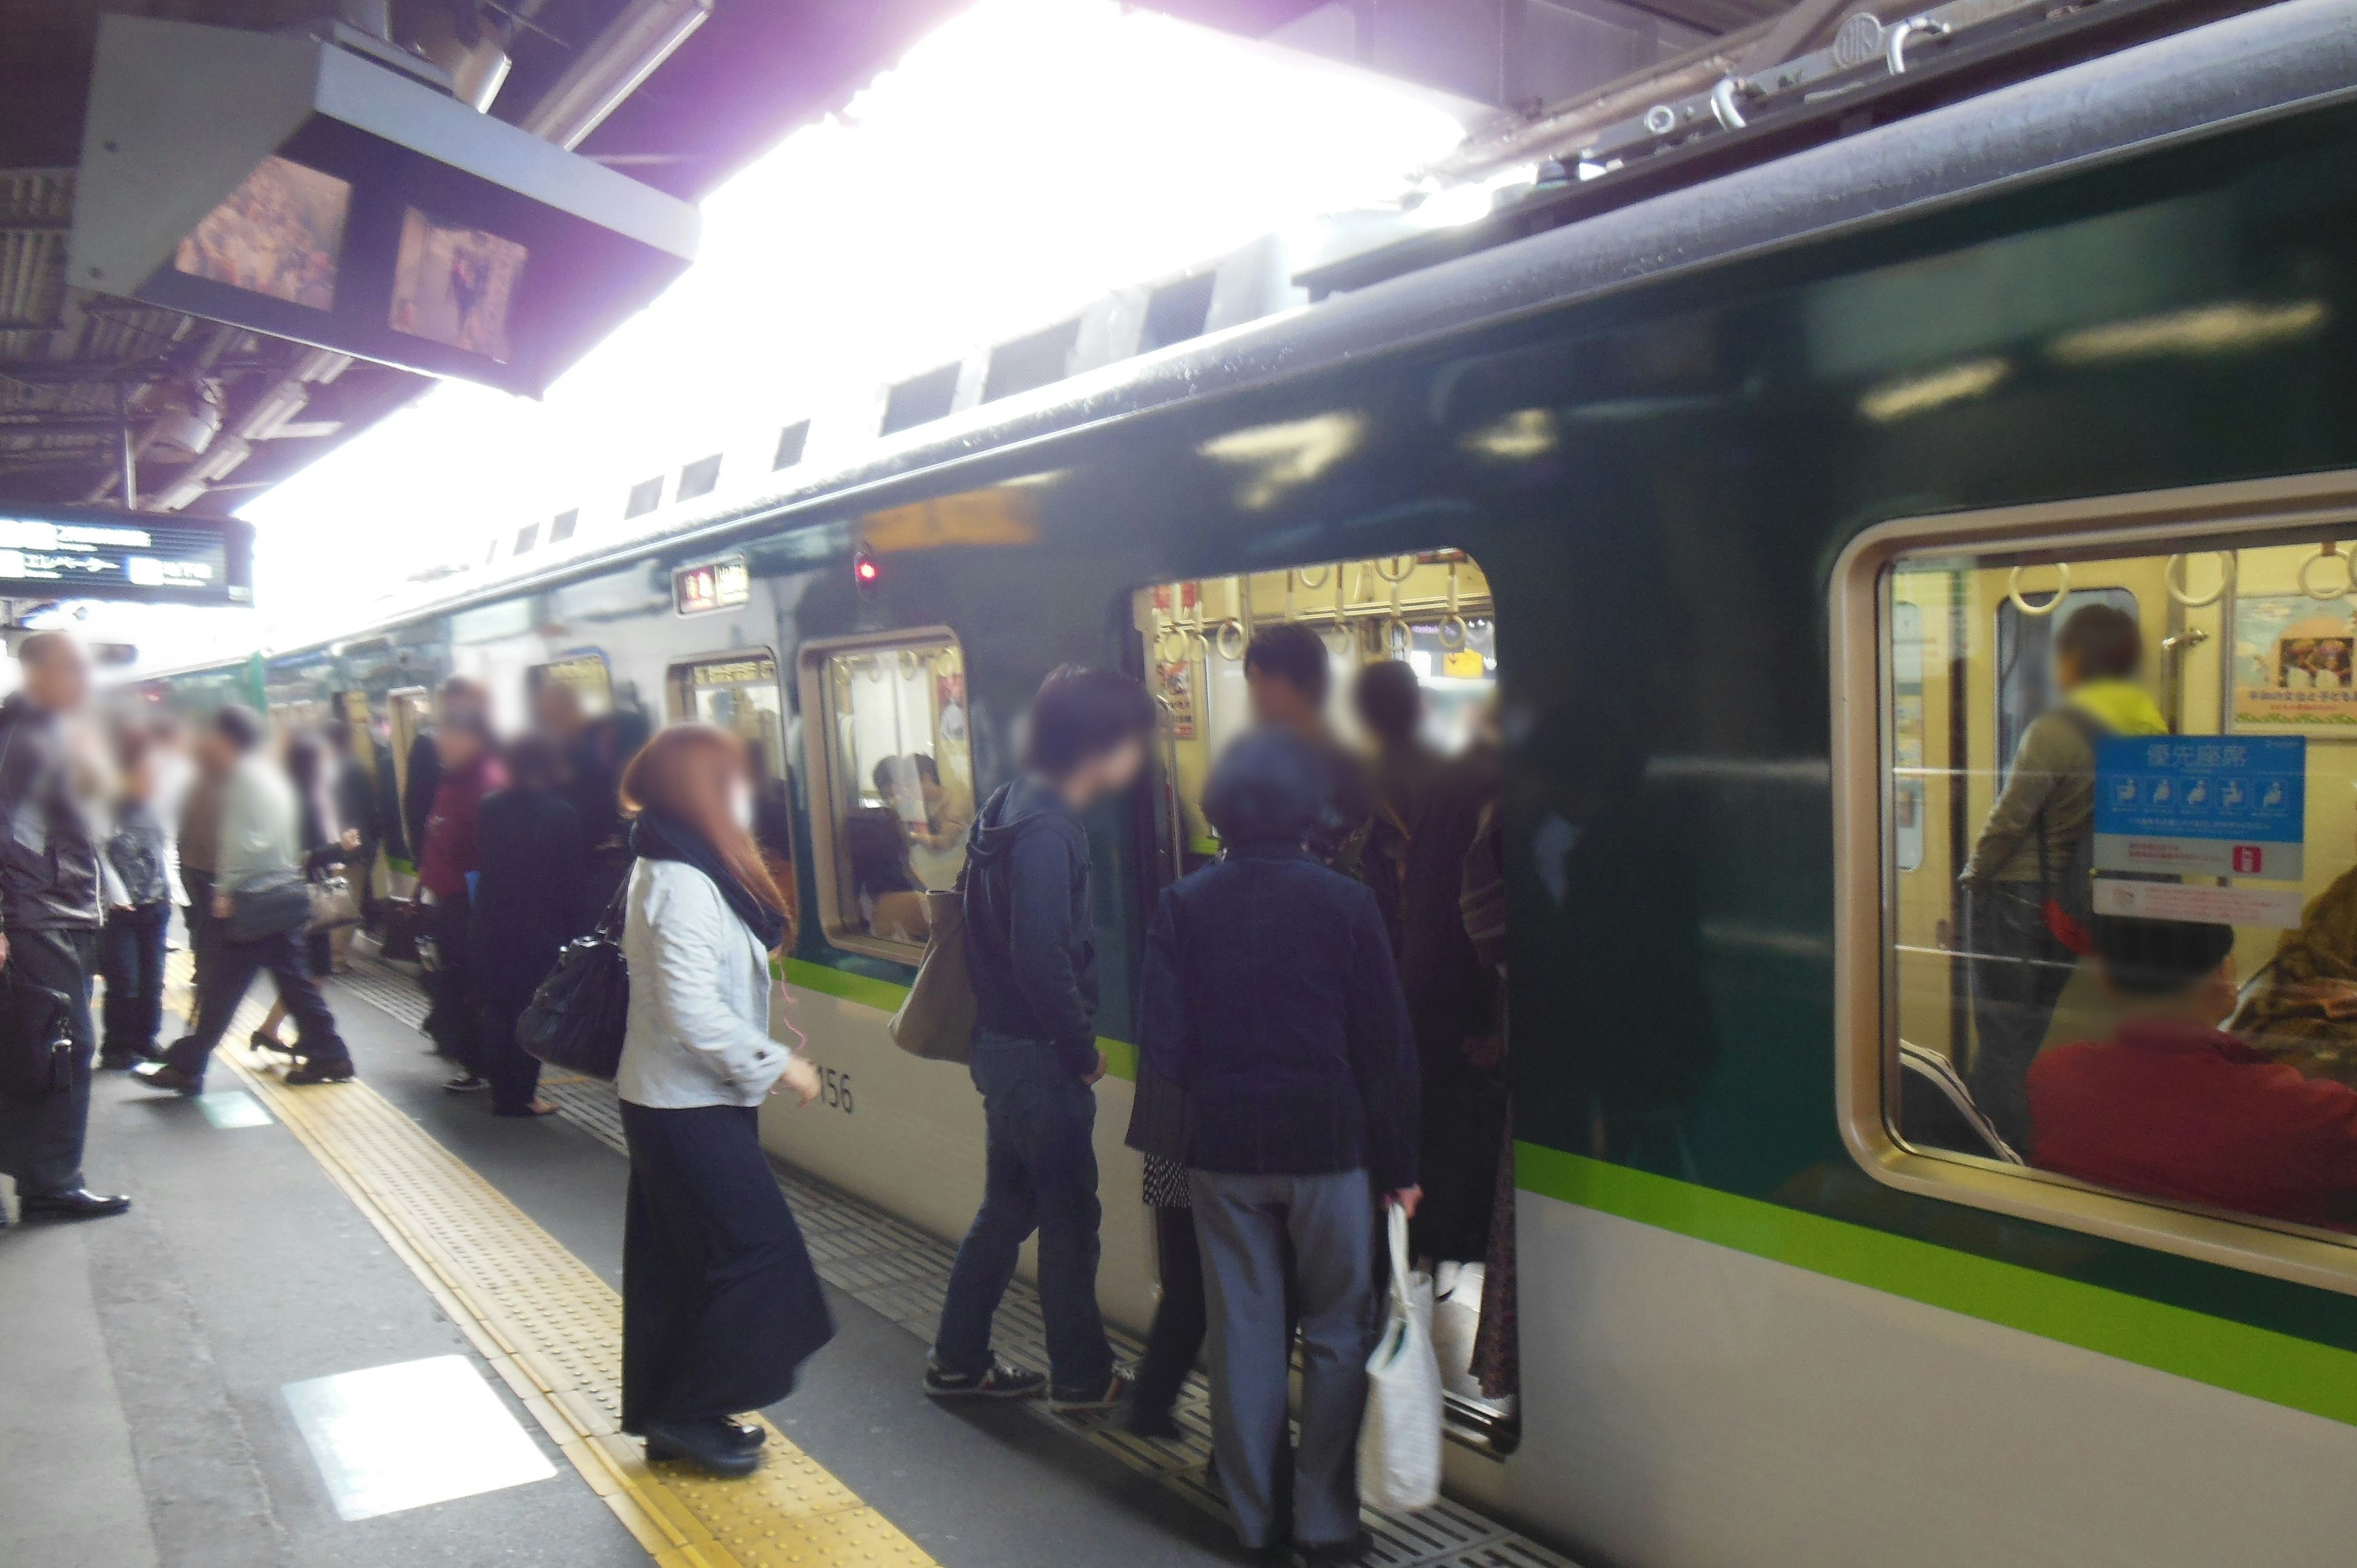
point(2173, 1107)
point(934, 823)
point(2302, 1010)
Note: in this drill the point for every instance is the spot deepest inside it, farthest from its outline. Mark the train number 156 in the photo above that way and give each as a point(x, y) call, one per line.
point(836, 1089)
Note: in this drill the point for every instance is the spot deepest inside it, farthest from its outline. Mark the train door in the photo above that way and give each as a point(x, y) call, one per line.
point(1423, 836)
point(737, 691)
point(408, 711)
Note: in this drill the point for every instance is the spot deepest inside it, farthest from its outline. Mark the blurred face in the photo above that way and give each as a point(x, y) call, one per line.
point(213, 752)
point(1107, 774)
point(58, 681)
point(456, 745)
point(1278, 701)
point(138, 780)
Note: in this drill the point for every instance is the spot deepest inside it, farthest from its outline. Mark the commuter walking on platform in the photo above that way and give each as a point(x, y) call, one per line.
point(720, 1304)
point(1270, 1001)
point(199, 840)
point(527, 906)
point(138, 909)
point(324, 844)
point(1032, 956)
point(49, 927)
point(451, 856)
point(259, 911)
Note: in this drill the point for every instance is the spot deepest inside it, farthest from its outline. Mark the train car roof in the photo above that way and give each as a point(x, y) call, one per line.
point(2283, 58)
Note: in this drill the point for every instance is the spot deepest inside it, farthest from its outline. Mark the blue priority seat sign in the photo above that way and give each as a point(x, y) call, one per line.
point(2206, 806)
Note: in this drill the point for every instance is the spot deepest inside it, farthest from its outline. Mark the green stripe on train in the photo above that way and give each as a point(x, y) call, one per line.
point(2279, 1367)
point(886, 996)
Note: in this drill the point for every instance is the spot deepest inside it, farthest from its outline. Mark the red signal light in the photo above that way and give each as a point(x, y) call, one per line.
point(865, 571)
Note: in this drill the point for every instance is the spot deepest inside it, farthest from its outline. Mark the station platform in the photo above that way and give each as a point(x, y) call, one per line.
point(370, 1324)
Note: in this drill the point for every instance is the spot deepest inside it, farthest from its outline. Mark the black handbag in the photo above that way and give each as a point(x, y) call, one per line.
point(36, 1043)
point(271, 905)
point(577, 1018)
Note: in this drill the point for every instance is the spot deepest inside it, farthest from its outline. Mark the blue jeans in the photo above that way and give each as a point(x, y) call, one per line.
point(1042, 1175)
point(131, 956)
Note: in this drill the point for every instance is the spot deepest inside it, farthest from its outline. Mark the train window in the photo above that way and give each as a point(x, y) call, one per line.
point(561, 527)
point(791, 442)
point(526, 537)
point(893, 782)
point(2107, 795)
point(1177, 311)
point(739, 691)
point(645, 497)
point(700, 477)
point(585, 679)
point(1026, 363)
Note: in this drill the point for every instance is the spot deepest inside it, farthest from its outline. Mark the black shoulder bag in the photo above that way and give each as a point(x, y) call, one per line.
point(36, 1043)
point(577, 1018)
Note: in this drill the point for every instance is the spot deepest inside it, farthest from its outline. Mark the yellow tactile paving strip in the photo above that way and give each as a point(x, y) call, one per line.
point(553, 1330)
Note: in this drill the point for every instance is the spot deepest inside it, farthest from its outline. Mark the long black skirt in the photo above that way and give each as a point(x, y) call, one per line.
point(720, 1304)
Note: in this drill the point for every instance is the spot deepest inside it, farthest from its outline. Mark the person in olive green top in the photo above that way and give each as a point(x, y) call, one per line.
point(2030, 840)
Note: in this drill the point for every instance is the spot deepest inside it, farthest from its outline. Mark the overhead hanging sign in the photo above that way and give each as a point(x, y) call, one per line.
point(2201, 806)
point(708, 585)
point(88, 553)
point(335, 199)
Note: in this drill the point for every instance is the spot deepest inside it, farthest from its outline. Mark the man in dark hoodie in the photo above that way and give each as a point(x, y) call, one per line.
point(1032, 955)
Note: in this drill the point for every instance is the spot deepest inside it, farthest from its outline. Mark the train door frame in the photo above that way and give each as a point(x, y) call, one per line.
point(2244, 514)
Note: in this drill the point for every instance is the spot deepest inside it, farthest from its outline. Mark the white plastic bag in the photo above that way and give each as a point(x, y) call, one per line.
point(1399, 1441)
point(1455, 1323)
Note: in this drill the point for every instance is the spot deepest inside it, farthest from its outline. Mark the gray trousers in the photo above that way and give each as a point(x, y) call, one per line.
point(1249, 1227)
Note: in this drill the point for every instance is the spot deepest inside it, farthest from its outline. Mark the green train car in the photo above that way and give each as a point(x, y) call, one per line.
point(1752, 507)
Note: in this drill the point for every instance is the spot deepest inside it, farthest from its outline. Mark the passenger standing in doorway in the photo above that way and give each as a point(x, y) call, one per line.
point(720, 1304)
point(323, 844)
point(353, 793)
point(1031, 951)
point(48, 920)
point(138, 909)
point(453, 853)
point(2024, 881)
point(258, 854)
point(527, 906)
point(1389, 700)
point(1271, 1000)
point(1287, 679)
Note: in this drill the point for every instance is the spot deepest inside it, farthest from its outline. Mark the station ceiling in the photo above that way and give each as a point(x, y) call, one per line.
point(77, 368)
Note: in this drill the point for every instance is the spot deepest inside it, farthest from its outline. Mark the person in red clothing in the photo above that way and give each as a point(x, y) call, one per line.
point(2173, 1107)
point(470, 769)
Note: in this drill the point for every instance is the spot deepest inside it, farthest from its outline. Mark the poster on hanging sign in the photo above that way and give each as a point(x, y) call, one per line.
point(2201, 806)
point(2293, 664)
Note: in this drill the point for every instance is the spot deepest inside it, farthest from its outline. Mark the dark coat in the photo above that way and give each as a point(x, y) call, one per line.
point(527, 891)
point(1272, 1002)
point(417, 800)
point(1030, 941)
point(49, 859)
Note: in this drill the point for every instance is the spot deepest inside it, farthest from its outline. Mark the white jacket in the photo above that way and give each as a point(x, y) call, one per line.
point(698, 1032)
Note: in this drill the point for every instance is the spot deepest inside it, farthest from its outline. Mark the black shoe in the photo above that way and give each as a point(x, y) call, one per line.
point(1109, 1395)
point(748, 1435)
point(1335, 1553)
point(163, 1075)
point(79, 1204)
point(709, 1444)
point(1144, 1423)
point(1001, 1382)
point(465, 1083)
point(262, 1042)
point(121, 1061)
point(338, 1070)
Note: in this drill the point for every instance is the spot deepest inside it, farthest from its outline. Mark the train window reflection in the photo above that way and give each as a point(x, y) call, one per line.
point(2120, 820)
point(898, 783)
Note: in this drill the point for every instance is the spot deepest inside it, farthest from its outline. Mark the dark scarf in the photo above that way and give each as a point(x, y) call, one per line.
point(659, 837)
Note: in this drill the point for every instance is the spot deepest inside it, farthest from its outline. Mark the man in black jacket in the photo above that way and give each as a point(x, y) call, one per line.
point(49, 919)
point(1272, 1004)
point(1032, 955)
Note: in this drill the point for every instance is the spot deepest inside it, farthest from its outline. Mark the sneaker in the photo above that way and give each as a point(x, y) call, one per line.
point(1001, 1382)
point(1112, 1393)
point(310, 1072)
point(465, 1083)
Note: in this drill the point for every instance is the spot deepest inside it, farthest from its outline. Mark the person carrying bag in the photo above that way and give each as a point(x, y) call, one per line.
point(1399, 1438)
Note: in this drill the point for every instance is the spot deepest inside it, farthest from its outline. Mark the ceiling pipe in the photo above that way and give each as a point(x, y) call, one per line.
point(611, 68)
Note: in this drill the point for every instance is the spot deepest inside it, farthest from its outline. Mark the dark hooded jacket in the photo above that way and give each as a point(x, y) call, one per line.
point(1271, 999)
point(1030, 942)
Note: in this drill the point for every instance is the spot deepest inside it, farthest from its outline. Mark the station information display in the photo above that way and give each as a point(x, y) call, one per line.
point(90, 552)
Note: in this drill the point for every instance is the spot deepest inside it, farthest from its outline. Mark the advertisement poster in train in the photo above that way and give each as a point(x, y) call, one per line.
point(2291, 665)
point(1173, 683)
point(1907, 803)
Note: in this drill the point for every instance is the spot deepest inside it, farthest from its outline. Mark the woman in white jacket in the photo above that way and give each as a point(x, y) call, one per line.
point(720, 1304)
